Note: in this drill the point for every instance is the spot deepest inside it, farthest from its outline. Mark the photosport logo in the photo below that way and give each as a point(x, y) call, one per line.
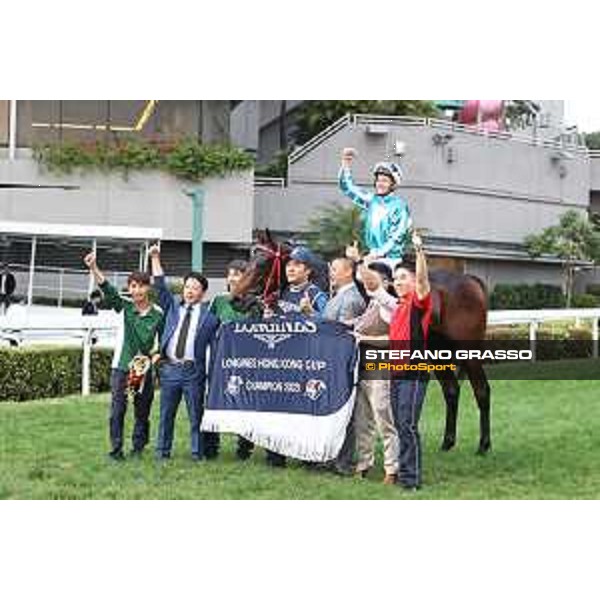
point(272, 334)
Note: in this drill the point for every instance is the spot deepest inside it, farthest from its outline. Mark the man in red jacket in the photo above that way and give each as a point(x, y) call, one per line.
point(409, 315)
point(409, 329)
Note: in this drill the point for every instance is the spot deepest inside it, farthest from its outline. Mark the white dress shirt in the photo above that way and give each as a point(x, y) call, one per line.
point(189, 344)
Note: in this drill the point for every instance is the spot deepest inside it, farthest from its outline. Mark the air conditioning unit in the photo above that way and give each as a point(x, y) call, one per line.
point(375, 129)
point(399, 148)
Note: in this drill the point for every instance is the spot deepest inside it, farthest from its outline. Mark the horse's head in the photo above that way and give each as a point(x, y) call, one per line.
point(265, 275)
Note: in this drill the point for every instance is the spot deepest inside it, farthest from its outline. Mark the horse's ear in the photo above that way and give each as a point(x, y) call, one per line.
point(268, 236)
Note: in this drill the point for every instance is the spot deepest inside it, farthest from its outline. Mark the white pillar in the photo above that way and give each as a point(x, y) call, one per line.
point(146, 248)
point(12, 130)
point(31, 270)
point(86, 366)
point(533, 327)
point(61, 285)
point(595, 338)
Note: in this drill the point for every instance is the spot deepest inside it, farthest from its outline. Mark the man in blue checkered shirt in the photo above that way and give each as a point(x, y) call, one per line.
point(386, 215)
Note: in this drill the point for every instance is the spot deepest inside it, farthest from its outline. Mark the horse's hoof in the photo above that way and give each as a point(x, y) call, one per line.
point(484, 448)
point(447, 445)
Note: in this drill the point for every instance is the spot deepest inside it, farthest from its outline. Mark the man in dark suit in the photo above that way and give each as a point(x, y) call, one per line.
point(188, 333)
point(7, 288)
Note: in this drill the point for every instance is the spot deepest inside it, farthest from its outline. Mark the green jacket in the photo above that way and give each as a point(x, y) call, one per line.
point(138, 333)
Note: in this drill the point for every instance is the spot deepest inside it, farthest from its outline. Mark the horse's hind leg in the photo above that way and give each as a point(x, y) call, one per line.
point(481, 389)
point(451, 391)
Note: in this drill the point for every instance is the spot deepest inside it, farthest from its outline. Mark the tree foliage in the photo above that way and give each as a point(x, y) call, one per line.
point(519, 114)
point(592, 140)
point(333, 228)
point(315, 115)
point(573, 240)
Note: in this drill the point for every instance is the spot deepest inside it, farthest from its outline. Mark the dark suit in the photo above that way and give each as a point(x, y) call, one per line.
point(182, 378)
point(7, 289)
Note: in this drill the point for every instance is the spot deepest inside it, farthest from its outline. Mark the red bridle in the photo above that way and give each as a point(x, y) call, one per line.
point(275, 273)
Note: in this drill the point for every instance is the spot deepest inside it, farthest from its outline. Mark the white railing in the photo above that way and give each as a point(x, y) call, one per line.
point(278, 182)
point(392, 119)
point(509, 136)
point(319, 138)
point(84, 329)
point(533, 318)
point(58, 282)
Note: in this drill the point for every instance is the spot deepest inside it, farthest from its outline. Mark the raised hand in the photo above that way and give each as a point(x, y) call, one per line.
point(348, 155)
point(154, 251)
point(90, 260)
point(417, 240)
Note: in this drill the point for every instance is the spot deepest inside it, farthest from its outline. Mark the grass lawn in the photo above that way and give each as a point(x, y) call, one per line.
point(546, 444)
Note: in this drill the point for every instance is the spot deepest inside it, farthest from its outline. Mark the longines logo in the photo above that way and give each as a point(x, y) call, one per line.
point(280, 327)
point(274, 333)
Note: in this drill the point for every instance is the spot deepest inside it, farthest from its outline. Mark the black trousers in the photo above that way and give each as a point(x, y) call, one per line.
point(245, 448)
point(142, 404)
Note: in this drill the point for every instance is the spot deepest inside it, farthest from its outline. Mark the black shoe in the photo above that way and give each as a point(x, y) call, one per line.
point(116, 455)
point(211, 455)
point(343, 472)
point(136, 452)
point(244, 449)
point(312, 466)
point(276, 460)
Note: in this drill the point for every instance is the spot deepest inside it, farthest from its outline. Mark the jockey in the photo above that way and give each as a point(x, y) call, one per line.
point(387, 218)
point(301, 295)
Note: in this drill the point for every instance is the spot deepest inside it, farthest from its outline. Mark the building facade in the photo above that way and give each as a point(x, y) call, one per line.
point(143, 199)
point(477, 195)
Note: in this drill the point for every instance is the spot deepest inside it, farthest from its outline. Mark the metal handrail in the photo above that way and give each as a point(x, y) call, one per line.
point(269, 182)
point(366, 119)
point(515, 317)
point(359, 119)
point(320, 137)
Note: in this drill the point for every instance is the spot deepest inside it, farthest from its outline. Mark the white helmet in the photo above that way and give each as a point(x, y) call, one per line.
point(392, 170)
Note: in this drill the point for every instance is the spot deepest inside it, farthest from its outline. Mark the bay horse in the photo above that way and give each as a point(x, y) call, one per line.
point(460, 303)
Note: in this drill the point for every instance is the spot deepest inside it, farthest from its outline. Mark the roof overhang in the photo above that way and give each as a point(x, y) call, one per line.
point(70, 230)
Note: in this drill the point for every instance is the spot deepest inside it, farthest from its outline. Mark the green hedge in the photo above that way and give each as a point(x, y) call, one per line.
point(31, 373)
point(186, 158)
point(508, 296)
point(585, 301)
point(593, 289)
point(572, 342)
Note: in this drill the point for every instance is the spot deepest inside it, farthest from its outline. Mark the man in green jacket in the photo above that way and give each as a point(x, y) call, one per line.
point(138, 334)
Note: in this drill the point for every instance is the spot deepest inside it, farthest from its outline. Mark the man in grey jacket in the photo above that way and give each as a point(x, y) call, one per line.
point(347, 302)
point(346, 305)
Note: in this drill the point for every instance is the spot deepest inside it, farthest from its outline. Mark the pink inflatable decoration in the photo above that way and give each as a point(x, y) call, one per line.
point(486, 114)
